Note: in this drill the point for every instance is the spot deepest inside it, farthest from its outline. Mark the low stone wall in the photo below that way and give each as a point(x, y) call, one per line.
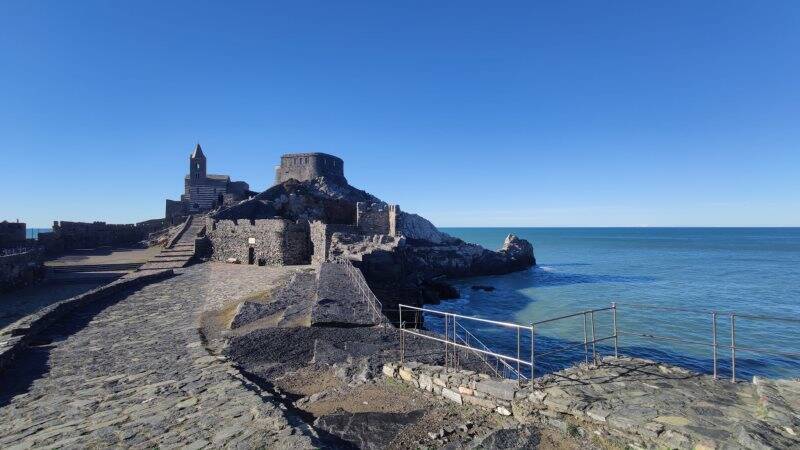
point(21, 269)
point(639, 402)
point(273, 241)
point(459, 386)
point(15, 337)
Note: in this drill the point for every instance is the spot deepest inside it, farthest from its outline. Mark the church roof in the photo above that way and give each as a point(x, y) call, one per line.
point(198, 152)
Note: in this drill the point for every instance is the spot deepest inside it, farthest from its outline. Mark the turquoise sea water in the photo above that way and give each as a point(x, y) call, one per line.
point(748, 271)
point(33, 233)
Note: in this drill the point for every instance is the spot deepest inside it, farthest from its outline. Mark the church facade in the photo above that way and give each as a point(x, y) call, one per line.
point(204, 191)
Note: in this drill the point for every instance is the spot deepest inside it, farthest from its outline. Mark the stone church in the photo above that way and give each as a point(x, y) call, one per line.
point(204, 191)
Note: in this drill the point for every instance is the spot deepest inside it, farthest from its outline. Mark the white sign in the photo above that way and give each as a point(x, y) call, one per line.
point(251, 240)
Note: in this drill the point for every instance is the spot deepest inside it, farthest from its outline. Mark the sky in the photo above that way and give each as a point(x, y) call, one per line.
point(567, 113)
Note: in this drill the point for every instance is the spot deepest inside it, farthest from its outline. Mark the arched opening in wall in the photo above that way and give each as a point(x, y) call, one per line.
point(220, 199)
point(262, 261)
point(251, 256)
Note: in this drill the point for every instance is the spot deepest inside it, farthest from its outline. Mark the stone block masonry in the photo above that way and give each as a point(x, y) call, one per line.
point(377, 218)
point(77, 235)
point(21, 268)
point(263, 241)
point(307, 166)
point(321, 238)
point(12, 234)
point(639, 402)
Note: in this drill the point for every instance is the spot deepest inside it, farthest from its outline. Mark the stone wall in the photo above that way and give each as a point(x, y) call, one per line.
point(273, 241)
point(377, 218)
point(459, 386)
point(321, 238)
point(630, 401)
point(307, 166)
point(175, 211)
point(74, 235)
point(12, 234)
point(21, 269)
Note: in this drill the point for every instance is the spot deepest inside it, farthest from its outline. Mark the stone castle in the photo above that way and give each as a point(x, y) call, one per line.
point(307, 166)
point(204, 191)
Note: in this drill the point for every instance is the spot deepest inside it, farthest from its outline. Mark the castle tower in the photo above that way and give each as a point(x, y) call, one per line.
point(197, 164)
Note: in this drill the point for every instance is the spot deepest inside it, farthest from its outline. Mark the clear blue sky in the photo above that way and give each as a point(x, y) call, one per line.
point(596, 113)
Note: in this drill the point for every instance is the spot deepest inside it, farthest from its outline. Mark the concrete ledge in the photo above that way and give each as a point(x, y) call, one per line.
point(15, 337)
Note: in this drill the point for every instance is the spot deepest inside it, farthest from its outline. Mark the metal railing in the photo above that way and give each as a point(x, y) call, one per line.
point(450, 340)
point(590, 338)
point(714, 342)
point(366, 293)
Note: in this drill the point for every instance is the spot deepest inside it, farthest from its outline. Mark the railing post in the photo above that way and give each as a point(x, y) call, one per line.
point(455, 340)
point(446, 346)
point(733, 347)
point(518, 355)
point(594, 339)
point(402, 335)
point(533, 352)
point(714, 341)
point(614, 318)
point(585, 341)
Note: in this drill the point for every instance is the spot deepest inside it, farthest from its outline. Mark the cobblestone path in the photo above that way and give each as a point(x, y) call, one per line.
point(133, 372)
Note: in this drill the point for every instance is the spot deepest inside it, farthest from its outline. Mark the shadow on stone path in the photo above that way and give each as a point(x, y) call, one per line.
point(132, 372)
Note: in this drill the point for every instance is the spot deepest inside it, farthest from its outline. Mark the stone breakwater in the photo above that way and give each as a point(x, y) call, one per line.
point(638, 402)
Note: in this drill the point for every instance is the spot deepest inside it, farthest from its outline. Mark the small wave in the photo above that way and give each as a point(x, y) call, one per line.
point(546, 268)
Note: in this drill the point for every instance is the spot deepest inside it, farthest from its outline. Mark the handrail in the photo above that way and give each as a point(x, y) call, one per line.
point(366, 293)
point(477, 319)
point(590, 335)
point(486, 347)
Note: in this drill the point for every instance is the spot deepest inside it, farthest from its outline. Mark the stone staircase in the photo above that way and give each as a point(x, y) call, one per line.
point(181, 252)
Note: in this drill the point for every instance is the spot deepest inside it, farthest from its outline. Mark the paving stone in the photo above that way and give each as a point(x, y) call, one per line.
point(118, 376)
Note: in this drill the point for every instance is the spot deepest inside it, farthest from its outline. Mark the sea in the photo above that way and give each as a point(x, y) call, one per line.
point(676, 291)
point(33, 233)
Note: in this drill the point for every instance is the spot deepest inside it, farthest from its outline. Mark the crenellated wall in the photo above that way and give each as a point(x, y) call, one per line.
point(273, 241)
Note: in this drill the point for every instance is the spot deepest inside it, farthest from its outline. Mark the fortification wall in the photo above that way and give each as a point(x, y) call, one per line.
point(21, 269)
point(175, 211)
point(377, 218)
point(73, 235)
point(273, 241)
point(321, 238)
point(12, 234)
point(307, 166)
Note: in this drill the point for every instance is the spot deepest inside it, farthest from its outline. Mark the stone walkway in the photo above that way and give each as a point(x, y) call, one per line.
point(133, 373)
point(181, 252)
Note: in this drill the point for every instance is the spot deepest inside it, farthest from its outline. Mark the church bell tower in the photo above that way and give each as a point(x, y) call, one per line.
point(197, 164)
